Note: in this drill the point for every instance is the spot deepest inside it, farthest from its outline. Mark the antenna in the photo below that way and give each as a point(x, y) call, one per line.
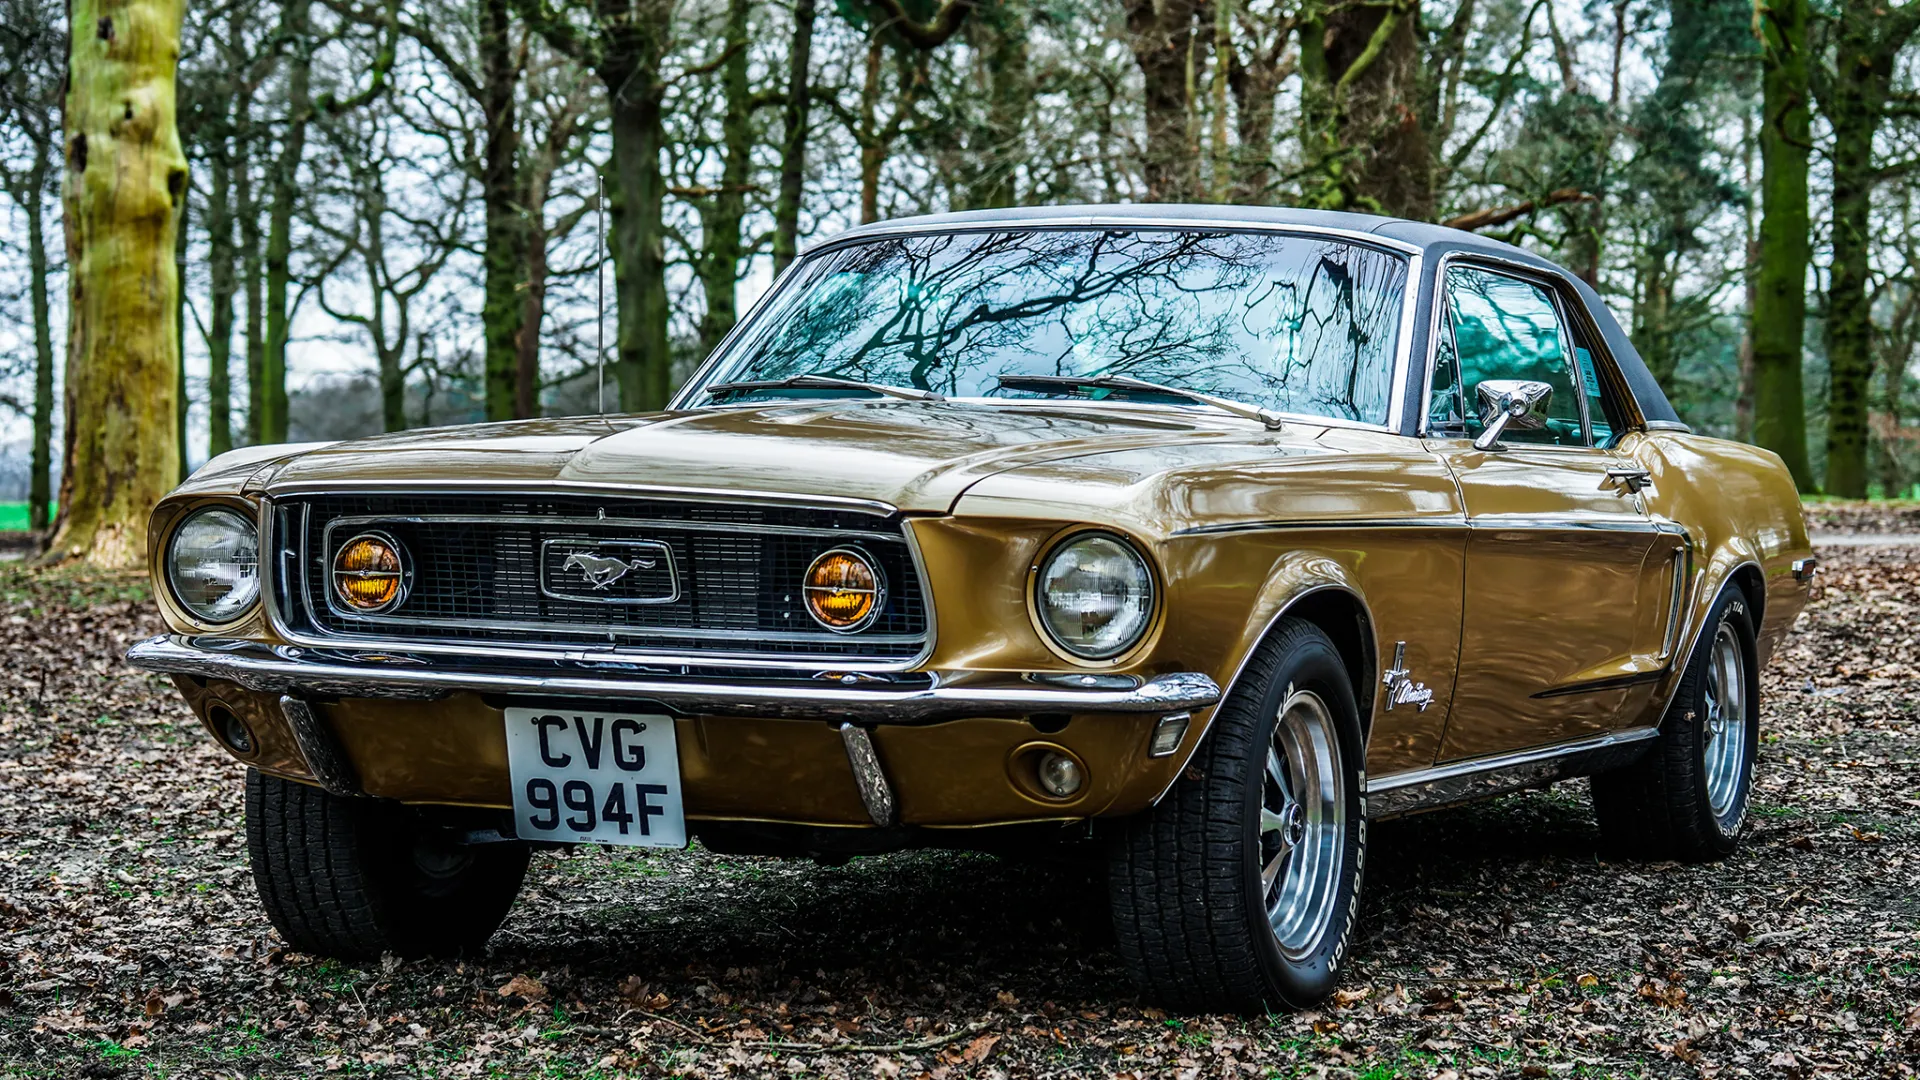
point(600, 284)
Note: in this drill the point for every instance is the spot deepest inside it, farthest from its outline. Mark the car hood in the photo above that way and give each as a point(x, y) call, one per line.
point(911, 455)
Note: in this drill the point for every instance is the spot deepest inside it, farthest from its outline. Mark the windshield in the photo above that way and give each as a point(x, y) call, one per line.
point(1299, 324)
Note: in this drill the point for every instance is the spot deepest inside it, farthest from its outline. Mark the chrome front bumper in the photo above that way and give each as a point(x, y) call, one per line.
point(343, 673)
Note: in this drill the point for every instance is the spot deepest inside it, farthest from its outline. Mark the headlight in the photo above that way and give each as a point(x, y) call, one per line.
point(213, 564)
point(1095, 596)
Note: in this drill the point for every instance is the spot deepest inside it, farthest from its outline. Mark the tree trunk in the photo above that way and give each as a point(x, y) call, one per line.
point(1868, 38)
point(1849, 324)
point(221, 284)
point(721, 215)
point(1652, 315)
point(125, 175)
point(247, 209)
point(1254, 86)
point(989, 168)
point(643, 362)
point(180, 231)
point(793, 142)
point(526, 383)
point(1780, 311)
point(1361, 133)
point(284, 182)
point(873, 152)
point(40, 483)
point(505, 256)
point(1161, 34)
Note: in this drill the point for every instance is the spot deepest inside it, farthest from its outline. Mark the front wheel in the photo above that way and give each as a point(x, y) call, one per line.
point(1687, 797)
point(1239, 890)
point(358, 878)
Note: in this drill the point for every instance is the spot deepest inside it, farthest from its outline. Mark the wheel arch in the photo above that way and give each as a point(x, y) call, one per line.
point(1744, 575)
point(1334, 605)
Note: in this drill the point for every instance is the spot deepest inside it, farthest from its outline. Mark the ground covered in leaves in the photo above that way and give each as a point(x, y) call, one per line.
point(1497, 940)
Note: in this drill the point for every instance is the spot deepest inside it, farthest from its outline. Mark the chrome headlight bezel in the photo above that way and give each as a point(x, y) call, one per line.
point(242, 534)
point(1143, 584)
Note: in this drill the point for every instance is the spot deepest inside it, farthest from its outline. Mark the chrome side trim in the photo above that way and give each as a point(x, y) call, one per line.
point(293, 671)
point(326, 762)
point(1682, 561)
point(875, 793)
point(1568, 522)
point(1403, 346)
point(1437, 521)
point(1667, 425)
point(1459, 781)
point(1611, 682)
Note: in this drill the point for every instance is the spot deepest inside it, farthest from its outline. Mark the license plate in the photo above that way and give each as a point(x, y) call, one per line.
point(592, 777)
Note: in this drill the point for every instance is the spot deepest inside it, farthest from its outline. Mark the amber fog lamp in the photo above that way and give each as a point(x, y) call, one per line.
point(370, 573)
point(844, 590)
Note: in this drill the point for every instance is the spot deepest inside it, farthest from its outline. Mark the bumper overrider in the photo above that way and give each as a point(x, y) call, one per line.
point(820, 749)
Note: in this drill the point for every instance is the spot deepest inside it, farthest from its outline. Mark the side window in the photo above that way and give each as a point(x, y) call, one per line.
point(1604, 414)
point(1446, 413)
point(1508, 328)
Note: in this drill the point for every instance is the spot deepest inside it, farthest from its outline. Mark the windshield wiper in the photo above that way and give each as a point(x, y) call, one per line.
point(1271, 419)
point(822, 382)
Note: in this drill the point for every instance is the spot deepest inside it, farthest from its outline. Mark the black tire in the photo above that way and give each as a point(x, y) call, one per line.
point(359, 878)
point(1190, 910)
point(1662, 805)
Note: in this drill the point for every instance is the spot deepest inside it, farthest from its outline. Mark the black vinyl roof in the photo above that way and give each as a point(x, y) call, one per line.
point(1432, 240)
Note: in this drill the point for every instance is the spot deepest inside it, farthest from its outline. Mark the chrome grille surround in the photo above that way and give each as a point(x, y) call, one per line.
point(487, 559)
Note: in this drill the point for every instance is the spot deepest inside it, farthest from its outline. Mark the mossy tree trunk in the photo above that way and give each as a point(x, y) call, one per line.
point(222, 285)
point(723, 209)
point(506, 227)
point(1868, 39)
point(1780, 305)
point(1161, 33)
point(125, 175)
point(1361, 133)
point(793, 140)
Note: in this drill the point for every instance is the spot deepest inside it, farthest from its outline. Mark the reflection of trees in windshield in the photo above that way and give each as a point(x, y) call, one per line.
point(1301, 324)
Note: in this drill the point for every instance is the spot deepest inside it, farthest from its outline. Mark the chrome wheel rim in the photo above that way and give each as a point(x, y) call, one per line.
point(1303, 824)
point(1726, 720)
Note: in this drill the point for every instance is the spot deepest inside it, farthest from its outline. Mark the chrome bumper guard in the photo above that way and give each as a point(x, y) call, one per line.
point(292, 670)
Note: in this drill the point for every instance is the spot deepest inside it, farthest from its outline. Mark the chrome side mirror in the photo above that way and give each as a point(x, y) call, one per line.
point(1519, 404)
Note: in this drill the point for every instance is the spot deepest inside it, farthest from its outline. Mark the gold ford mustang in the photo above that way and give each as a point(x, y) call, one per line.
point(1205, 534)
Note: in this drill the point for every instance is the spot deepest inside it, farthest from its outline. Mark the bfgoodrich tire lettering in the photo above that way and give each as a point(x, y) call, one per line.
point(357, 878)
point(1687, 797)
point(1196, 889)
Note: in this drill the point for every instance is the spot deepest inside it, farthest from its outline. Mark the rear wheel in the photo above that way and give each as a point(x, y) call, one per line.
point(1687, 797)
point(357, 878)
point(1239, 890)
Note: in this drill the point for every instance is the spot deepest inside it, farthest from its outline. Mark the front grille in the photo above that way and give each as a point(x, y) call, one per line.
point(623, 575)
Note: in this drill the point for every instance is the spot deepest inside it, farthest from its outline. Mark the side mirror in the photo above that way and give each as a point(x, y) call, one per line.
point(1519, 404)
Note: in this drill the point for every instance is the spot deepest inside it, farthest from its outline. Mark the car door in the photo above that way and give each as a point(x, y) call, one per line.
point(1566, 572)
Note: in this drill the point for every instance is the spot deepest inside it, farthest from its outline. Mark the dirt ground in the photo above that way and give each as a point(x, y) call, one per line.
point(1497, 940)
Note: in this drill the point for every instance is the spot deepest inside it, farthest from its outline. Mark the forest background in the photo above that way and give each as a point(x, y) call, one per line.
point(383, 214)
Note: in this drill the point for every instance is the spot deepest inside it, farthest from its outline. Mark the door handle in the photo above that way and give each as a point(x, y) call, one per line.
point(1631, 480)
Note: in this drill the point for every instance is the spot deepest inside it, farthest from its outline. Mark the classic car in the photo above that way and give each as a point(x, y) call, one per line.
point(1193, 538)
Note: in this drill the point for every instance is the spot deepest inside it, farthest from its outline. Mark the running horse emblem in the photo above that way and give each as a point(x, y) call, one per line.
point(603, 570)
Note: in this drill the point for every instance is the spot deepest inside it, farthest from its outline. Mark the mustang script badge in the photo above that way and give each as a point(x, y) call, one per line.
point(1402, 690)
point(603, 570)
